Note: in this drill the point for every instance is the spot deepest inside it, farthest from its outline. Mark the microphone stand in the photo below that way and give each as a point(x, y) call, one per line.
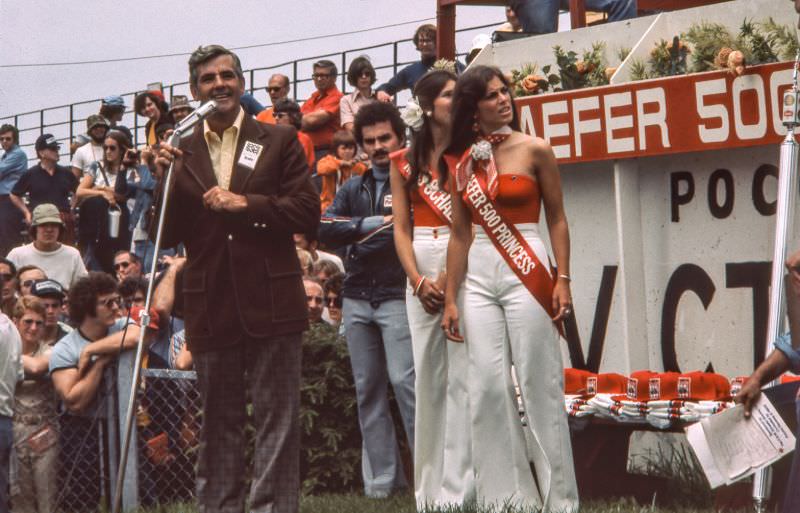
point(784, 221)
point(174, 140)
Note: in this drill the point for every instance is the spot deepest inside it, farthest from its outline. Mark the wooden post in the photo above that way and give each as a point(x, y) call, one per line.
point(577, 14)
point(446, 29)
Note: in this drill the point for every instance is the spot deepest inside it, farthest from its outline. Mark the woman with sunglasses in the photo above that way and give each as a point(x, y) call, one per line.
point(442, 462)
point(360, 75)
point(96, 194)
point(512, 299)
point(35, 417)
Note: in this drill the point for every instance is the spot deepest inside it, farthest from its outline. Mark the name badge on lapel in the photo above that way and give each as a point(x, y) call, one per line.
point(387, 201)
point(250, 153)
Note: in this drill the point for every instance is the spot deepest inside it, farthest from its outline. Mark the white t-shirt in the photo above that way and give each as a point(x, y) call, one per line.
point(86, 154)
point(10, 364)
point(63, 265)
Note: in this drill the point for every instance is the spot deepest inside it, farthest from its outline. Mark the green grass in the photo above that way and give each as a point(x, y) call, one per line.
point(405, 504)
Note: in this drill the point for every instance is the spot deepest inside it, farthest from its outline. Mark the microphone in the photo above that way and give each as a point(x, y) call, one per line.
point(199, 114)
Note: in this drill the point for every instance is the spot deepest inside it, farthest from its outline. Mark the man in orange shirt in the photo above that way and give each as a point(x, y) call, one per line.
point(321, 110)
point(278, 89)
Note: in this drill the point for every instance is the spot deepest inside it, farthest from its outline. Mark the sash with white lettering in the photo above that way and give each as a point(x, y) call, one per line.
point(510, 243)
point(428, 189)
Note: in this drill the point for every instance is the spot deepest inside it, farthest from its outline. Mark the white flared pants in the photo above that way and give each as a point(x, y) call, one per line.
point(443, 471)
point(505, 325)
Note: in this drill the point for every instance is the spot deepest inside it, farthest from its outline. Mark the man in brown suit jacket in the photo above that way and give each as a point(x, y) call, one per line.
point(241, 189)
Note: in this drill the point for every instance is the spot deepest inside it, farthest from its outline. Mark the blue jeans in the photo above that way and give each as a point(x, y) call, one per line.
point(379, 344)
point(6, 442)
point(541, 16)
point(791, 499)
point(144, 250)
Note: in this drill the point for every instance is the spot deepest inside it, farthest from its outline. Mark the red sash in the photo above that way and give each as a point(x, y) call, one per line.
point(510, 244)
point(429, 191)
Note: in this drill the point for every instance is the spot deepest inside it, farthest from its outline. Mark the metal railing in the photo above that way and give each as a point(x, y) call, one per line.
point(66, 122)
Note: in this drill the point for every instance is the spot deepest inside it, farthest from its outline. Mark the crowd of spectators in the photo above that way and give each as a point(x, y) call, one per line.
point(77, 250)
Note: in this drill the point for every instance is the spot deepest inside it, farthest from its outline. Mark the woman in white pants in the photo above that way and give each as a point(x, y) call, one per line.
point(443, 472)
point(500, 181)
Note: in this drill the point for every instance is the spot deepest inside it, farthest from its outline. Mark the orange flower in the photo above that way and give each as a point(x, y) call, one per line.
point(530, 84)
point(736, 63)
point(610, 72)
point(584, 67)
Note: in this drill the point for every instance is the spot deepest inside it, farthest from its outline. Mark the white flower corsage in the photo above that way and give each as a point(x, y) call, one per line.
point(481, 150)
point(413, 115)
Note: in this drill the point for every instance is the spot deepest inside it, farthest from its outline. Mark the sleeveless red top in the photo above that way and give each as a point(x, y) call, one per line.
point(518, 199)
point(423, 213)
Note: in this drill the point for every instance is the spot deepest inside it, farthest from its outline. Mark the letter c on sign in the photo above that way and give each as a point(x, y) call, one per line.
point(687, 277)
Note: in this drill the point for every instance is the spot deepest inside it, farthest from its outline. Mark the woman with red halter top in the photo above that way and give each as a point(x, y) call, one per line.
point(443, 472)
point(511, 296)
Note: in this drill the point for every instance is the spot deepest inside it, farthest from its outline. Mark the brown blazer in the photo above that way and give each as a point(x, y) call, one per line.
point(242, 277)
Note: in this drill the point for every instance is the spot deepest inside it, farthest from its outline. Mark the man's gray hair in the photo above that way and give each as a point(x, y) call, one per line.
point(204, 54)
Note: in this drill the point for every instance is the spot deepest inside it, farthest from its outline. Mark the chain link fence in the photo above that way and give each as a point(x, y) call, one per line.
point(168, 431)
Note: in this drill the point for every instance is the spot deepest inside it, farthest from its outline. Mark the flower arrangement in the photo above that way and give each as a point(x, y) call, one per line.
point(526, 81)
point(589, 71)
point(446, 65)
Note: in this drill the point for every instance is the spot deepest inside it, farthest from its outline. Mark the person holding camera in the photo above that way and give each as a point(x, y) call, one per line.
point(103, 226)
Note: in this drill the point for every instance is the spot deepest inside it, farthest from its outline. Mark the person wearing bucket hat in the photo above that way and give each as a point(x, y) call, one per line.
point(59, 262)
point(112, 108)
point(97, 128)
point(47, 182)
point(180, 107)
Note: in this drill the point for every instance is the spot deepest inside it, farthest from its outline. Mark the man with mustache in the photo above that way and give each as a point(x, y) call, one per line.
point(374, 309)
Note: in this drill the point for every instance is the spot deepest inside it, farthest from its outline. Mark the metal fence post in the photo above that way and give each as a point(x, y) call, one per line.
point(294, 79)
point(344, 71)
point(130, 487)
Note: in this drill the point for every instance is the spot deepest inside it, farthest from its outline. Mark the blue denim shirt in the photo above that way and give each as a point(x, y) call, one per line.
point(141, 191)
point(13, 165)
point(784, 345)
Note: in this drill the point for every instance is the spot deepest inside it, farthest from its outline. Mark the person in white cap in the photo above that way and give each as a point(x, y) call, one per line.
point(59, 262)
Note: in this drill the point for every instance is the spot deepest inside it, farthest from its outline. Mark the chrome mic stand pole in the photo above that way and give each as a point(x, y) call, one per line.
point(202, 112)
point(787, 192)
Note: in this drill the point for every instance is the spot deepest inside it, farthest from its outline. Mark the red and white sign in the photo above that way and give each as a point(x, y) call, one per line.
point(698, 112)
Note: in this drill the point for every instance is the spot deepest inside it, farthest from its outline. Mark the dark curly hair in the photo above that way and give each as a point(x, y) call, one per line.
point(378, 112)
point(84, 293)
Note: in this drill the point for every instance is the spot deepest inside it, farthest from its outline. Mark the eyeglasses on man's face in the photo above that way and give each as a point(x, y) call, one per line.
point(111, 302)
point(121, 265)
point(33, 322)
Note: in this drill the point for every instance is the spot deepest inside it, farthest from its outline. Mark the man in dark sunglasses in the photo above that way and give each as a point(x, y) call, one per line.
point(27, 275)
point(278, 89)
point(127, 265)
point(8, 285)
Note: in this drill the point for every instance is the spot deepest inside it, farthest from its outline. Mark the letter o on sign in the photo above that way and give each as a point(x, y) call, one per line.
point(724, 209)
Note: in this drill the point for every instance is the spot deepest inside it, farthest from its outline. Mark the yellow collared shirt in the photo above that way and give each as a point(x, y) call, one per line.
point(222, 151)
